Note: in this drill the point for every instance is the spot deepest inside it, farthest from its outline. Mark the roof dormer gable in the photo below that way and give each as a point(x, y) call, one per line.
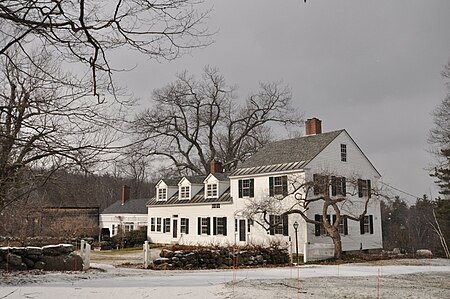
point(215, 185)
point(164, 190)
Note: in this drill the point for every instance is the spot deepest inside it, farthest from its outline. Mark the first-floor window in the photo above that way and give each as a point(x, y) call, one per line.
point(152, 224)
point(114, 229)
point(278, 225)
point(184, 225)
point(166, 228)
point(128, 226)
point(220, 226)
point(319, 229)
point(158, 224)
point(366, 225)
point(204, 227)
point(343, 227)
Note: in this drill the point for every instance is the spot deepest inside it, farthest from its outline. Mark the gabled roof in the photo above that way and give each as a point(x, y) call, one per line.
point(286, 154)
point(132, 206)
point(220, 176)
point(198, 179)
point(198, 198)
point(170, 182)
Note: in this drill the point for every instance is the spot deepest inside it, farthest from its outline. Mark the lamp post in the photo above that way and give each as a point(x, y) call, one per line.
point(296, 240)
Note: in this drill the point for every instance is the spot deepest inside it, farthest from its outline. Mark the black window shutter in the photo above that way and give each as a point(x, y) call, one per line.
point(214, 226)
point(333, 219)
point(344, 186)
point(272, 224)
point(164, 225)
point(344, 218)
point(286, 225)
point(187, 226)
point(369, 189)
point(285, 185)
point(199, 225)
point(235, 225)
point(361, 226)
point(317, 226)
point(333, 186)
point(252, 184)
point(240, 188)
point(224, 226)
point(360, 187)
point(371, 223)
point(208, 225)
point(271, 193)
point(316, 184)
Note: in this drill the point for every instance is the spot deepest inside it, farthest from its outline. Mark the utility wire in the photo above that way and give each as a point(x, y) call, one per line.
point(404, 192)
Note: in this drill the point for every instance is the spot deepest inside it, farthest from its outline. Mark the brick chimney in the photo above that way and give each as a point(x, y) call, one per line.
point(215, 166)
point(313, 126)
point(125, 194)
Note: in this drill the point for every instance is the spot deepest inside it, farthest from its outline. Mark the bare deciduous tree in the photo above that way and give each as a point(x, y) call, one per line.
point(88, 32)
point(193, 121)
point(306, 193)
point(46, 124)
point(439, 138)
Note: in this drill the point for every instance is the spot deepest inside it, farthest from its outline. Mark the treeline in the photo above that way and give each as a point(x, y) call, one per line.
point(416, 227)
point(35, 214)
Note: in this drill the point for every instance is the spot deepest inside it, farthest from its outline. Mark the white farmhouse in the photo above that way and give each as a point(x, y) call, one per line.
point(211, 209)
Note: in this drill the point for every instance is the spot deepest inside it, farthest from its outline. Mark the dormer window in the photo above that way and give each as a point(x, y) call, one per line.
point(211, 190)
point(162, 194)
point(184, 192)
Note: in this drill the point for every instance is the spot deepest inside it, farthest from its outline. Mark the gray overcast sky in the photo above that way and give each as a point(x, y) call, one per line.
point(371, 67)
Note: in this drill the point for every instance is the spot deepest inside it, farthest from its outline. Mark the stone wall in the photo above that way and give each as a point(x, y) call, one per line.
point(48, 258)
point(204, 258)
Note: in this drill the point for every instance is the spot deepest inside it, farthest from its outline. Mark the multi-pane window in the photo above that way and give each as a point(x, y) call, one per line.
point(278, 185)
point(205, 226)
point(166, 225)
point(158, 224)
point(114, 230)
point(321, 186)
point(220, 226)
point(319, 229)
point(184, 225)
point(215, 205)
point(343, 227)
point(364, 188)
point(338, 186)
point(152, 224)
point(184, 192)
point(211, 190)
point(128, 226)
point(246, 188)
point(278, 225)
point(162, 193)
point(366, 225)
point(343, 152)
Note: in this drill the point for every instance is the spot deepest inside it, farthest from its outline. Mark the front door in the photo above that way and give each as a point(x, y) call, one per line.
point(242, 230)
point(175, 229)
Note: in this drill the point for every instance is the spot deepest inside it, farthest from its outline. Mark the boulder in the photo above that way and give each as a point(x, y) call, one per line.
point(424, 253)
point(39, 265)
point(33, 251)
point(14, 259)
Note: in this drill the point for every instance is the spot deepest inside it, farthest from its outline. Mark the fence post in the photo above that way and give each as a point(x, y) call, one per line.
point(305, 253)
point(146, 254)
point(85, 253)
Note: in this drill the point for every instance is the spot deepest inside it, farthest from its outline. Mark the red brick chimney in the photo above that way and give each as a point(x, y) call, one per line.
point(215, 166)
point(313, 126)
point(125, 194)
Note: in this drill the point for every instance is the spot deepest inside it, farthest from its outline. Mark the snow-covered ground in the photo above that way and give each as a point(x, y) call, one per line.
point(386, 279)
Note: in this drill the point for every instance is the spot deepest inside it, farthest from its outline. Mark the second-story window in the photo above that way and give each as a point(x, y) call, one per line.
point(162, 193)
point(344, 152)
point(246, 188)
point(278, 185)
point(211, 190)
point(184, 192)
point(364, 188)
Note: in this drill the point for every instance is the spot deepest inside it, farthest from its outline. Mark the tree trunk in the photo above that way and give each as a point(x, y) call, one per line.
point(336, 237)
